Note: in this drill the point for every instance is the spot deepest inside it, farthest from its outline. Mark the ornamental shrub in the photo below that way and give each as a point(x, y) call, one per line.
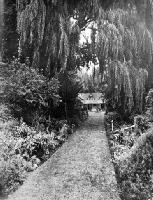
point(28, 92)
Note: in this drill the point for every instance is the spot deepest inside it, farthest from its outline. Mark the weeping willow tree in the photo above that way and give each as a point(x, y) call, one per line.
point(1, 24)
point(126, 87)
point(91, 80)
point(124, 35)
point(48, 35)
point(9, 33)
point(124, 50)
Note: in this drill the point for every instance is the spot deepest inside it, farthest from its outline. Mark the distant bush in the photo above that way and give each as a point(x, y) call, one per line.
point(112, 116)
point(149, 105)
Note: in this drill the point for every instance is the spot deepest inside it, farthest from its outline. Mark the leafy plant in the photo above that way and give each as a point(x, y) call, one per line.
point(27, 91)
point(12, 173)
point(12, 167)
point(134, 176)
point(149, 104)
point(26, 149)
point(69, 88)
point(136, 181)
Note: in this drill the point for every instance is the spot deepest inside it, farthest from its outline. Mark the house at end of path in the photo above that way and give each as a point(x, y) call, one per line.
point(93, 100)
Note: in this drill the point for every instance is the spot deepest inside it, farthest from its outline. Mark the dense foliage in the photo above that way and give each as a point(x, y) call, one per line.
point(9, 35)
point(70, 86)
point(124, 51)
point(26, 148)
point(29, 93)
point(149, 104)
point(135, 176)
point(121, 39)
point(46, 85)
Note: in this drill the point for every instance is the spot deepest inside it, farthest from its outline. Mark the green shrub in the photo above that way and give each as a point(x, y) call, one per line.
point(135, 182)
point(27, 91)
point(41, 141)
point(27, 148)
point(31, 142)
point(134, 179)
point(35, 100)
point(12, 167)
point(112, 116)
point(142, 122)
point(69, 88)
point(12, 173)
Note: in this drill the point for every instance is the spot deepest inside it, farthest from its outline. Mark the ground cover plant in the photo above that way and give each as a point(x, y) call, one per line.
point(24, 149)
point(132, 156)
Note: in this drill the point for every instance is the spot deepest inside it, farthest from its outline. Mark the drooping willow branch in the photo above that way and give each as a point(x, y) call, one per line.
point(126, 85)
point(48, 33)
point(124, 50)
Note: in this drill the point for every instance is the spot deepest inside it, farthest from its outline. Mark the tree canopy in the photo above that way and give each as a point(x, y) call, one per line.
point(9, 33)
point(121, 39)
point(124, 50)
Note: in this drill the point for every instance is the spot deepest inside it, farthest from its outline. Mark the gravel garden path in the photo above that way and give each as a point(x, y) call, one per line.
point(80, 170)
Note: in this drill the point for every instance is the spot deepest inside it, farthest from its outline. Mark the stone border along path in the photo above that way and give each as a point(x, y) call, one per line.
point(81, 169)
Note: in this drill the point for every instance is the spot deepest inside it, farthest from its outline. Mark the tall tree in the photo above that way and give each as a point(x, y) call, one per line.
point(10, 35)
point(124, 46)
point(47, 35)
point(1, 23)
point(124, 50)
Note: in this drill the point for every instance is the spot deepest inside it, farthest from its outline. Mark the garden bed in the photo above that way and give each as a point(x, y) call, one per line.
point(24, 148)
point(132, 154)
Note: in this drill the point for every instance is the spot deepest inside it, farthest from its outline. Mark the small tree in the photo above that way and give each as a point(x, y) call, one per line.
point(69, 88)
point(27, 91)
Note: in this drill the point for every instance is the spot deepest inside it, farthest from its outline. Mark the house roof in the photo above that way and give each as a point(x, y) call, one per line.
point(92, 98)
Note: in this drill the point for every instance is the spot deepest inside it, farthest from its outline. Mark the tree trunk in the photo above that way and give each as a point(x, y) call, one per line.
point(10, 36)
